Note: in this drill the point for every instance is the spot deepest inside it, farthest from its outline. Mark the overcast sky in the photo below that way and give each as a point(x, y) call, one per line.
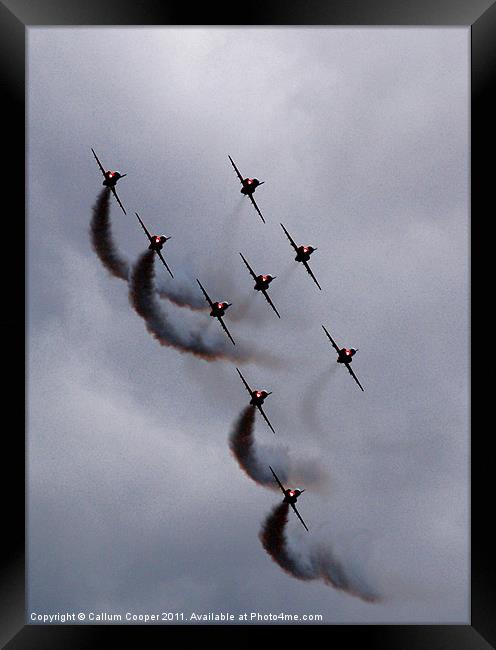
point(361, 137)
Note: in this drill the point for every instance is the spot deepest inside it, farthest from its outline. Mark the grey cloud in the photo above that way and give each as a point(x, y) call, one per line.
point(361, 137)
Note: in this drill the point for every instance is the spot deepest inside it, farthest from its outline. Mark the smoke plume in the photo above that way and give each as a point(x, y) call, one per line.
point(313, 563)
point(143, 298)
point(105, 247)
point(254, 459)
point(183, 296)
point(101, 238)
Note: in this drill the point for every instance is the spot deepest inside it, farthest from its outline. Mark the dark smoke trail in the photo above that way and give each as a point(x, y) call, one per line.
point(142, 296)
point(255, 459)
point(320, 564)
point(104, 246)
point(101, 238)
point(242, 445)
point(273, 540)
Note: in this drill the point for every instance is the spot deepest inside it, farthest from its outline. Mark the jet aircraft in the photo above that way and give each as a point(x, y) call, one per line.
point(249, 187)
point(156, 243)
point(261, 283)
point(290, 496)
point(257, 399)
point(303, 255)
point(111, 179)
point(218, 309)
point(344, 356)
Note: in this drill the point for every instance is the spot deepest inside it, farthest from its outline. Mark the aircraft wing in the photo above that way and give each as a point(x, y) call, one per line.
point(118, 200)
point(225, 329)
point(205, 294)
point(252, 272)
point(144, 227)
point(353, 375)
point(270, 301)
point(99, 163)
point(256, 207)
point(305, 264)
point(278, 481)
point(265, 418)
point(159, 253)
point(244, 382)
point(236, 169)
point(331, 340)
point(289, 237)
point(299, 516)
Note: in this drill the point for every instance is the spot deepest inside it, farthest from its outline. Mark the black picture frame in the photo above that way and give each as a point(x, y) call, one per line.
point(15, 17)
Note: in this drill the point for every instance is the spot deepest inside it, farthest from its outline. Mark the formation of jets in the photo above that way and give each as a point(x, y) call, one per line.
point(262, 282)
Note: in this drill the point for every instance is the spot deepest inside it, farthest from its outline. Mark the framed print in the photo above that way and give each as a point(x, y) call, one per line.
point(246, 289)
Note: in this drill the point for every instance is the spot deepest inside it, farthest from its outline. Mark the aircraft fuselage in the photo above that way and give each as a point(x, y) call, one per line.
point(111, 178)
point(250, 185)
point(345, 355)
point(157, 243)
point(291, 496)
point(219, 309)
point(258, 397)
point(262, 282)
point(303, 254)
